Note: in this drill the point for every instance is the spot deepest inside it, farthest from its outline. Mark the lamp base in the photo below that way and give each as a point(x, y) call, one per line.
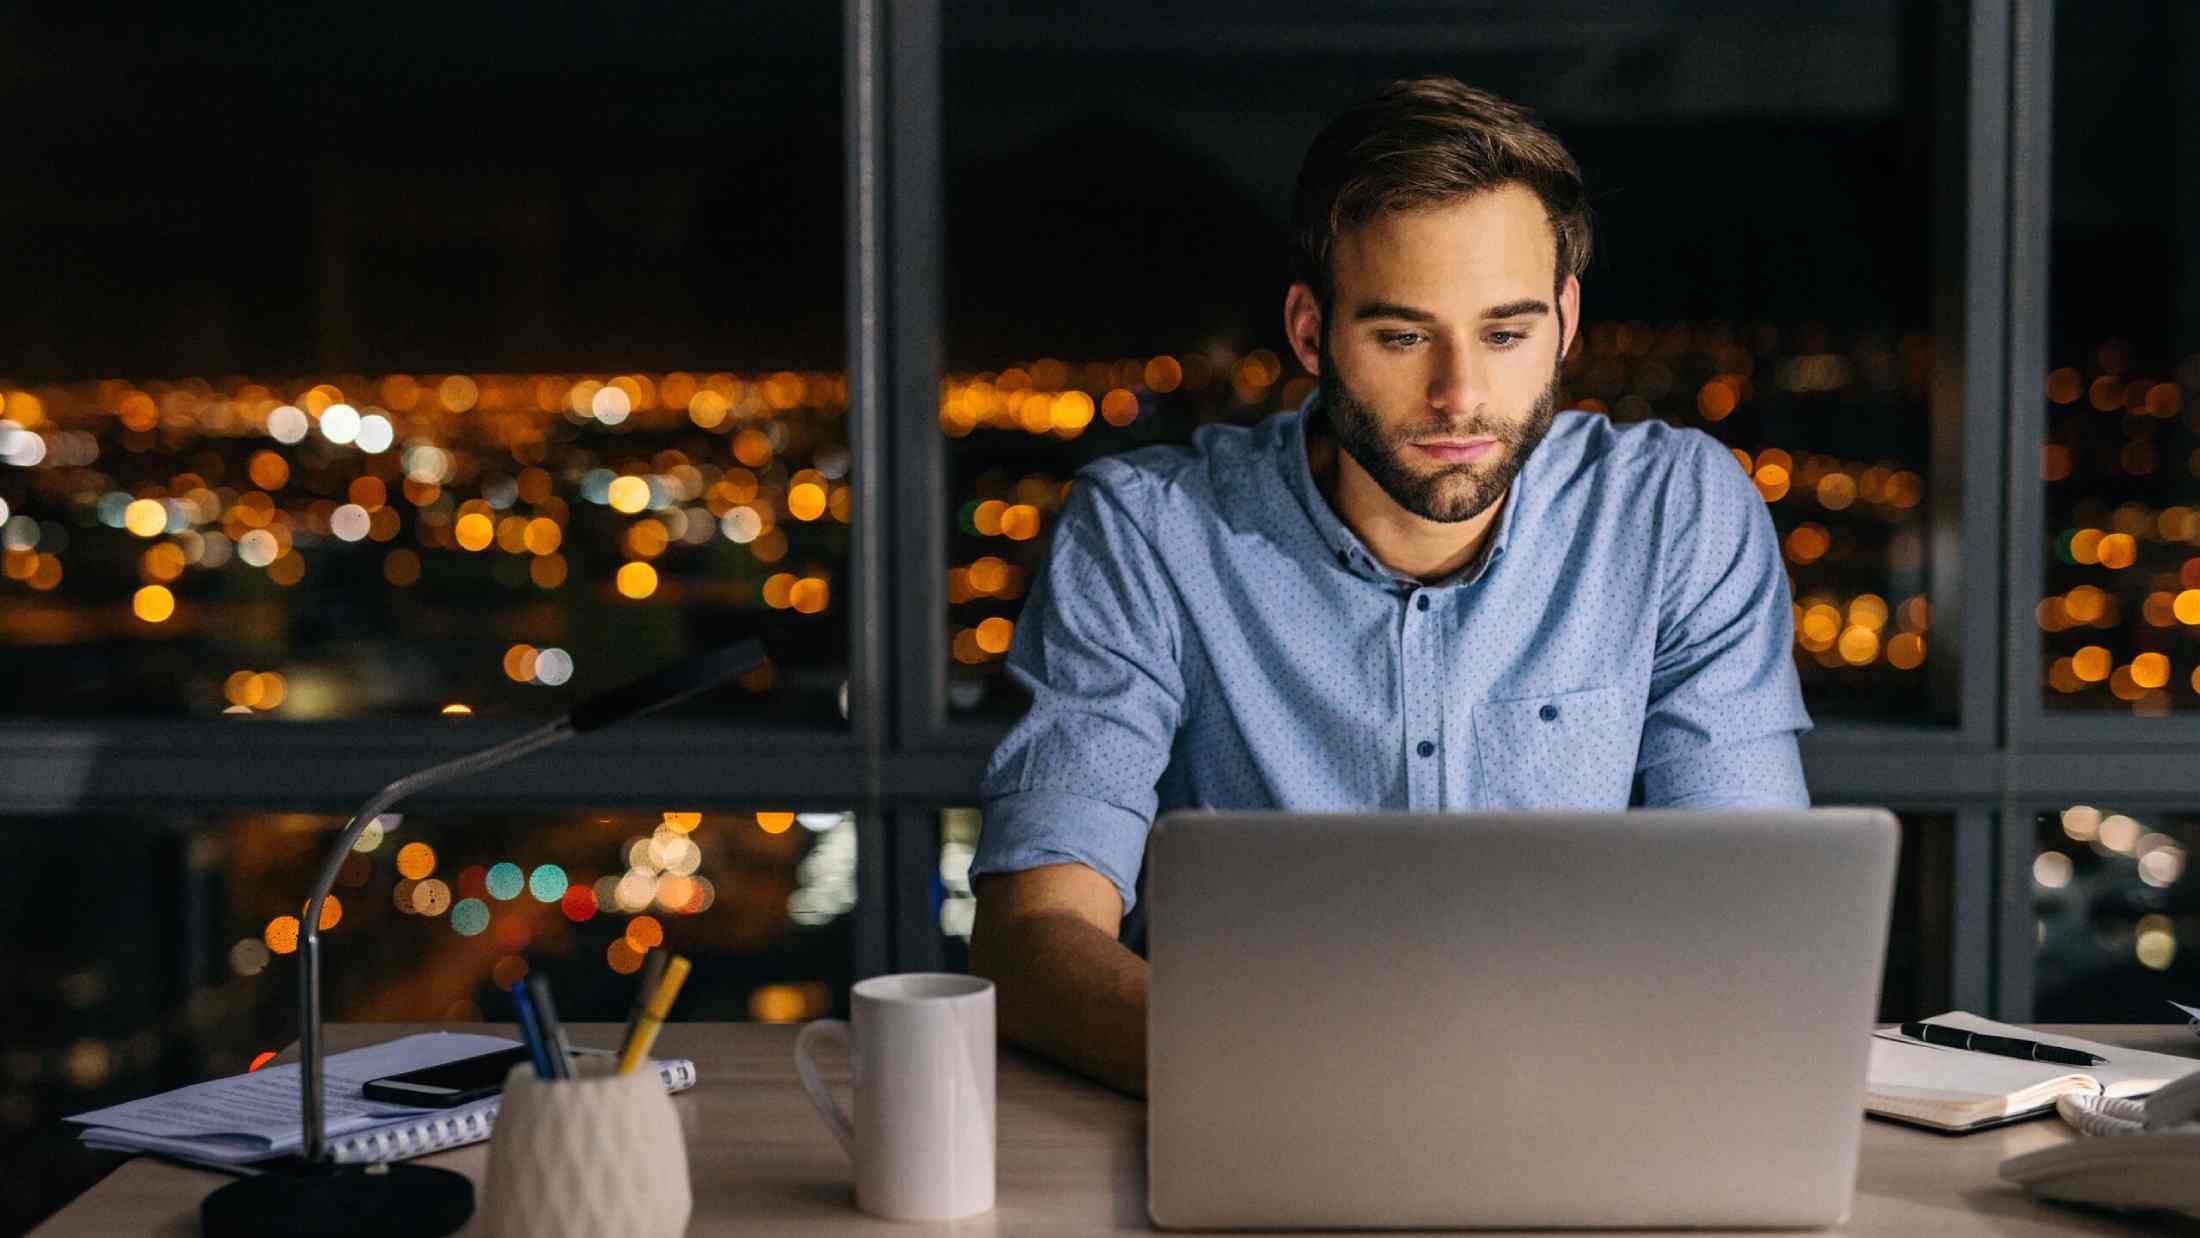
point(339, 1201)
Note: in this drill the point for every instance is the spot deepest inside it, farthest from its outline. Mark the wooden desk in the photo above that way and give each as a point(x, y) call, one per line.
point(1072, 1155)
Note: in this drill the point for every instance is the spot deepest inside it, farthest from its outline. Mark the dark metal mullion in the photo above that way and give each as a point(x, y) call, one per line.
point(2016, 940)
point(915, 331)
point(871, 83)
point(1971, 254)
point(896, 310)
point(1892, 773)
point(917, 942)
point(1898, 776)
point(2038, 727)
point(2031, 133)
point(919, 331)
point(861, 87)
point(332, 766)
point(1969, 892)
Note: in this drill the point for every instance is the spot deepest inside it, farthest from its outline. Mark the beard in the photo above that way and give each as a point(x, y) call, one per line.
point(1453, 492)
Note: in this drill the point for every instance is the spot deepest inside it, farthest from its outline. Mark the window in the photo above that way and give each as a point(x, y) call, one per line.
point(2116, 919)
point(483, 372)
point(1116, 271)
point(152, 952)
point(2119, 608)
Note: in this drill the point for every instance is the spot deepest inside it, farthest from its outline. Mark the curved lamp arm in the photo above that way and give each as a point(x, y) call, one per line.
point(643, 696)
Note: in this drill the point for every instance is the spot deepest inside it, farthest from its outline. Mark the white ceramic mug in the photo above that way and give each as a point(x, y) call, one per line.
point(922, 1056)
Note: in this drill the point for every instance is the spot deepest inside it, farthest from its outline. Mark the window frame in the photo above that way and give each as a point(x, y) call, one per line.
point(1995, 760)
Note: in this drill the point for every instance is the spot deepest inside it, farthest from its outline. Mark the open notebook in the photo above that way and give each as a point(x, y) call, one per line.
point(1962, 1090)
point(233, 1123)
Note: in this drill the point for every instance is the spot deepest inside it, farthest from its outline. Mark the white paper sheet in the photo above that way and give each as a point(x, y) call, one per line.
point(260, 1109)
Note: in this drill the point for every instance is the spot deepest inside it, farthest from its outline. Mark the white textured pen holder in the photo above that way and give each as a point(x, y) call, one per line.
point(601, 1154)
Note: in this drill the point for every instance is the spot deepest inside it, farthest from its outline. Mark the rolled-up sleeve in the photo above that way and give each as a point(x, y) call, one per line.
point(1725, 703)
point(1099, 649)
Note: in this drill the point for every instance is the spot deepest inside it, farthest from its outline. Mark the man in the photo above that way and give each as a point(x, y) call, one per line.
point(1424, 589)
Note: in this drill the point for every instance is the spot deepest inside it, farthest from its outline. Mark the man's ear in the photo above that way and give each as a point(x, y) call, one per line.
point(1569, 313)
point(1302, 325)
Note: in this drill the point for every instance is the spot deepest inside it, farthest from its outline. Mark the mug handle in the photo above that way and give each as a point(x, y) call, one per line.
point(805, 1065)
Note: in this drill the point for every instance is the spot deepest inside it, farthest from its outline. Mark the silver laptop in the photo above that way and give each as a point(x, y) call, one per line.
point(1578, 1019)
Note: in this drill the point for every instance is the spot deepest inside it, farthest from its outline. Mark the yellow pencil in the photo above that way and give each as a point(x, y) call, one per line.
point(660, 1004)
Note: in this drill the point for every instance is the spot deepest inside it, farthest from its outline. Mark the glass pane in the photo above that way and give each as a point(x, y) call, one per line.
point(2120, 605)
point(447, 911)
point(394, 413)
point(2117, 917)
point(146, 954)
point(1117, 269)
point(99, 991)
point(951, 896)
point(1914, 984)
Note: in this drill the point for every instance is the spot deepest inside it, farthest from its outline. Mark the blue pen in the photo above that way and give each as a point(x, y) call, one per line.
point(531, 1031)
point(546, 1022)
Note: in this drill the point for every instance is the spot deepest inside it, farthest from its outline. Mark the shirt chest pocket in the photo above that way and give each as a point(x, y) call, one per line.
point(1556, 750)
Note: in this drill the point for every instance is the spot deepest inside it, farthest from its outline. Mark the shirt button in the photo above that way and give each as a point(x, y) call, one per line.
point(1343, 559)
point(1426, 749)
point(1549, 713)
point(1421, 601)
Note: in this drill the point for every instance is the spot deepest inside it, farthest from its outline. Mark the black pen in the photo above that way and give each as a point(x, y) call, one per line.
point(2006, 1046)
point(553, 1032)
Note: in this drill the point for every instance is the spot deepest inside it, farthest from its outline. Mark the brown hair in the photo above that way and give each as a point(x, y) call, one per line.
point(1421, 142)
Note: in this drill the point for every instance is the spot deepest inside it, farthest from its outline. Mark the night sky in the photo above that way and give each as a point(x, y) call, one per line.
point(640, 186)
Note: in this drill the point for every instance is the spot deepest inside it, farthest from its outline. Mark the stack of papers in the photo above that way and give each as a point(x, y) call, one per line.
point(233, 1122)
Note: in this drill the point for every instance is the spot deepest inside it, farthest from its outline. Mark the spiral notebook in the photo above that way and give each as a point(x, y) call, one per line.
point(238, 1123)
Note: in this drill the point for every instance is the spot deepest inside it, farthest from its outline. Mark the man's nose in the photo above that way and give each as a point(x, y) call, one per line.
point(1461, 381)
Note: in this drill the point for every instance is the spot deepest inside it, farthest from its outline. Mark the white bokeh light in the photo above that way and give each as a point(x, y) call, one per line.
point(553, 666)
point(741, 525)
point(258, 548)
point(610, 406)
point(427, 464)
point(375, 434)
point(340, 424)
point(19, 446)
point(286, 424)
point(350, 522)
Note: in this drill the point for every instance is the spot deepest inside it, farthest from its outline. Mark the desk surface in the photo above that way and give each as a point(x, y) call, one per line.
point(1072, 1155)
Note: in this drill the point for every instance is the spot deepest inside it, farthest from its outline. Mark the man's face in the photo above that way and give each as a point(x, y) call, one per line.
point(1440, 349)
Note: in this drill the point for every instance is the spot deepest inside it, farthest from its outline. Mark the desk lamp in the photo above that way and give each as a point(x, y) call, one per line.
point(317, 1198)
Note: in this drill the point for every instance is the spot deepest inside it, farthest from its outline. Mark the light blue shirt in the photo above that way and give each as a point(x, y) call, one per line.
point(1207, 633)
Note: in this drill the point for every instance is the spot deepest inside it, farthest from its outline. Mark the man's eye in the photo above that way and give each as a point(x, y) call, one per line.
point(1506, 339)
point(1401, 339)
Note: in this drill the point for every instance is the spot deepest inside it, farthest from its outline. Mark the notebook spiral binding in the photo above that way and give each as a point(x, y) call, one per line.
point(428, 1135)
point(435, 1134)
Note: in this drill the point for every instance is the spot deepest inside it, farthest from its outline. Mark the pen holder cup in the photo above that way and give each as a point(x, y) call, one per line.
point(599, 1154)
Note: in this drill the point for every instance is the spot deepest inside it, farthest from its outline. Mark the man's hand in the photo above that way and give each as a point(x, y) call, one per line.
point(1065, 987)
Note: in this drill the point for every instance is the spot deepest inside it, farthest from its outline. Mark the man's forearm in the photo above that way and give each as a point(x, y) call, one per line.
point(1070, 992)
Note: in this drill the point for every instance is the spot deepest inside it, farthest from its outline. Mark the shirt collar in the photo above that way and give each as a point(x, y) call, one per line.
point(1344, 546)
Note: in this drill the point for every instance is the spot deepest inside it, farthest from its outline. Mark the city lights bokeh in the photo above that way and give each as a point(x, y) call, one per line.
point(414, 542)
point(188, 513)
point(1831, 429)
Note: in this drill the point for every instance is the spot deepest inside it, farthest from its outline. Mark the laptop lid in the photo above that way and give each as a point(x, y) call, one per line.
point(1652, 1018)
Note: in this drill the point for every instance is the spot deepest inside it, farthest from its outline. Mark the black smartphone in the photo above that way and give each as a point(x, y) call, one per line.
point(452, 1083)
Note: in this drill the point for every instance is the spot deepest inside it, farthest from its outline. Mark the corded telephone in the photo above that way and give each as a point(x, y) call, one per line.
point(2135, 1153)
